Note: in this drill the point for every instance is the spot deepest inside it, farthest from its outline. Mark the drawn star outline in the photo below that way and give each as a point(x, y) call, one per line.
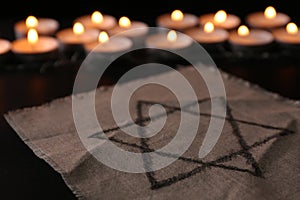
point(201, 165)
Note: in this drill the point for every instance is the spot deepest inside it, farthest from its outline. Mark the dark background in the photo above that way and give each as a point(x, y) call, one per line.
point(22, 174)
point(139, 9)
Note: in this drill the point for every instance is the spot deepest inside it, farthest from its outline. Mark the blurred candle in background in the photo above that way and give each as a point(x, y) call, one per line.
point(162, 45)
point(72, 40)
point(44, 26)
point(208, 34)
point(77, 34)
point(135, 30)
point(269, 19)
point(35, 47)
point(168, 40)
point(253, 40)
point(210, 37)
point(221, 19)
point(97, 20)
point(177, 20)
point(108, 45)
point(288, 37)
point(129, 28)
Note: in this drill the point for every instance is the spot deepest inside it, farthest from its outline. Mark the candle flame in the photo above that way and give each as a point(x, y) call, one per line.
point(124, 22)
point(32, 36)
point(243, 30)
point(97, 17)
point(209, 27)
point(172, 36)
point(220, 16)
point(103, 37)
point(177, 15)
point(31, 22)
point(270, 12)
point(292, 28)
point(78, 28)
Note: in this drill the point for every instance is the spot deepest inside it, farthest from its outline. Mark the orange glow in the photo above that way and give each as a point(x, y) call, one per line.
point(124, 22)
point(78, 28)
point(220, 16)
point(209, 27)
point(270, 12)
point(97, 17)
point(243, 30)
point(31, 22)
point(172, 36)
point(32, 36)
point(103, 37)
point(177, 15)
point(292, 28)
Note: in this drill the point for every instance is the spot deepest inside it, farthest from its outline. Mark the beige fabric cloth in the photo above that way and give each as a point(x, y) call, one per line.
point(256, 157)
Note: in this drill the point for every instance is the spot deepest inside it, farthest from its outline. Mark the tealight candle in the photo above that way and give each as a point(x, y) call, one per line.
point(221, 19)
point(210, 37)
point(108, 45)
point(208, 34)
point(110, 50)
point(73, 39)
point(177, 20)
point(129, 28)
point(5, 49)
point(288, 37)
point(162, 45)
point(171, 40)
point(44, 26)
point(135, 30)
point(97, 20)
point(244, 39)
point(35, 47)
point(77, 35)
point(269, 19)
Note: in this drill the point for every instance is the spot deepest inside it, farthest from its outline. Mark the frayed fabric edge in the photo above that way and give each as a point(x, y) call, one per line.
point(37, 151)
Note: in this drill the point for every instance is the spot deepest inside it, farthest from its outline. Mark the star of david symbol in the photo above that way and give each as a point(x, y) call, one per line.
point(219, 162)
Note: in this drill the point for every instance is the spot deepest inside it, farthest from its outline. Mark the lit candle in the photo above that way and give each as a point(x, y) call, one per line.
point(97, 20)
point(164, 47)
point(287, 36)
point(170, 40)
point(177, 20)
point(105, 44)
point(35, 47)
point(5, 48)
point(77, 35)
point(73, 39)
point(208, 34)
point(221, 19)
point(110, 50)
point(44, 26)
point(245, 39)
point(269, 19)
point(129, 28)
